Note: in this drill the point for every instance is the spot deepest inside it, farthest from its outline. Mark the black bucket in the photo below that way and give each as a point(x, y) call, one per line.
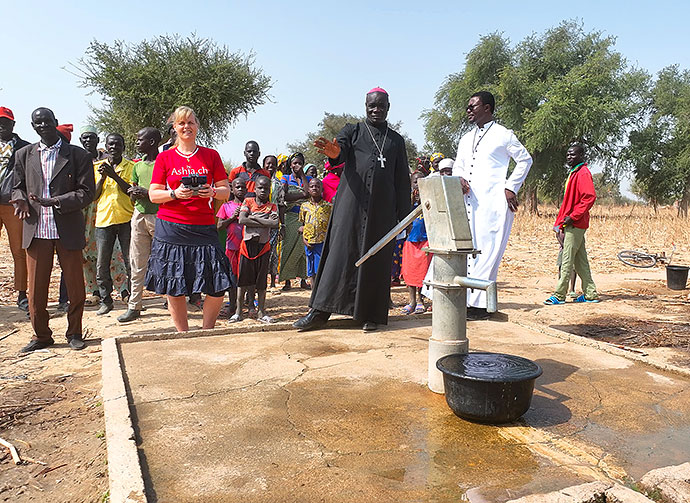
point(677, 276)
point(488, 387)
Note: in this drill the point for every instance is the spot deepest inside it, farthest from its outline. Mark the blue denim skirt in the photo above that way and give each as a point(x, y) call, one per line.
point(187, 259)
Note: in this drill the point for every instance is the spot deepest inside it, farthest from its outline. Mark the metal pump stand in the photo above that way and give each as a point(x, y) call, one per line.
point(449, 317)
point(450, 240)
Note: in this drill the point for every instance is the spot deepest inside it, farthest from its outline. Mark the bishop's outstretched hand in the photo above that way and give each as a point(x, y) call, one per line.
point(330, 149)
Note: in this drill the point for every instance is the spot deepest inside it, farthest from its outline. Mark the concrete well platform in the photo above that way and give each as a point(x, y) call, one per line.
point(339, 415)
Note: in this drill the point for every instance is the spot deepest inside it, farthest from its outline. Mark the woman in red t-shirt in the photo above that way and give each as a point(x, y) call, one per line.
point(186, 256)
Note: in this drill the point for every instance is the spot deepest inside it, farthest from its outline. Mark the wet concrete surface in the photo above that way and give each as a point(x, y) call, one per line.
point(338, 415)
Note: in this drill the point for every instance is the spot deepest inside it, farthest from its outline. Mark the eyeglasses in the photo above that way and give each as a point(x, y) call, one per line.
point(472, 107)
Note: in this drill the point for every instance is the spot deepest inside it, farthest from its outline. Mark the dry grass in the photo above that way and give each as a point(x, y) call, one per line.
point(533, 247)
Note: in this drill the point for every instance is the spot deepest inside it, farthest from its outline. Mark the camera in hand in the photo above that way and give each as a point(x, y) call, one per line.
point(194, 182)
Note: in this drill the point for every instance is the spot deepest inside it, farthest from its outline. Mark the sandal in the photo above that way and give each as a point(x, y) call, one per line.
point(266, 319)
point(92, 300)
point(235, 318)
point(408, 309)
point(582, 299)
point(419, 309)
point(553, 301)
point(23, 304)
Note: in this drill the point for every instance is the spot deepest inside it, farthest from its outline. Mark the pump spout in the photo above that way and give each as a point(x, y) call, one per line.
point(481, 284)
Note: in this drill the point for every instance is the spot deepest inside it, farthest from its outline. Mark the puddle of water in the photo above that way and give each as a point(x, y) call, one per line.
point(404, 433)
point(642, 452)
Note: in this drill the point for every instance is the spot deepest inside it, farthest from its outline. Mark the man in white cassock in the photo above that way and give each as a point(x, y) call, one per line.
point(490, 195)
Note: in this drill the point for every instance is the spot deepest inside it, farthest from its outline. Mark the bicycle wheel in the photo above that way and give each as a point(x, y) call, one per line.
point(636, 259)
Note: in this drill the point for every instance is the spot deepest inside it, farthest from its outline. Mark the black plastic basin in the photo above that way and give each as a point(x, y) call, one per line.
point(488, 387)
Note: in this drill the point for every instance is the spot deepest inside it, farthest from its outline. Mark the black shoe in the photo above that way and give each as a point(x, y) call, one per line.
point(76, 342)
point(104, 309)
point(36, 344)
point(477, 313)
point(313, 320)
point(129, 315)
point(63, 307)
point(370, 326)
point(23, 304)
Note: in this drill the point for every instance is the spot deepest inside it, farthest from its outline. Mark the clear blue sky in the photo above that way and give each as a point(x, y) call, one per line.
point(321, 56)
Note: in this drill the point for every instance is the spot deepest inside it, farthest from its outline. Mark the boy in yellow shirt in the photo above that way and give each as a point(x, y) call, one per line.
point(113, 214)
point(314, 215)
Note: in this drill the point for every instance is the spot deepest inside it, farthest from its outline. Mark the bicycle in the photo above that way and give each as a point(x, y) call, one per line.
point(645, 260)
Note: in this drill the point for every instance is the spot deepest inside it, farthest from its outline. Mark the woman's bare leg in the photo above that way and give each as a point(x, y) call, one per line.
point(177, 306)
point(212, 307)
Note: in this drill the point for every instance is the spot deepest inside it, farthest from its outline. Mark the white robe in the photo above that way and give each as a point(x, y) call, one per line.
point(482, 159)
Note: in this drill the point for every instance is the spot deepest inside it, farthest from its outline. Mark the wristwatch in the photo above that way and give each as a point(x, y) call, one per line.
point(172, 194)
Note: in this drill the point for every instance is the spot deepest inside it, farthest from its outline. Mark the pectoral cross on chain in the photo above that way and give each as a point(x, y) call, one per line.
point(382, 160)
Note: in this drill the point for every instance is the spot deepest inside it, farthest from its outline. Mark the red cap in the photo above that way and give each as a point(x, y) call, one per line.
point(6, 112)
point(66, 130)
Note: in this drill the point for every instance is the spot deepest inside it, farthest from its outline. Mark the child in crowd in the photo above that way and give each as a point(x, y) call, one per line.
point(228, 218)
point(293, 263)
point(415, 261)
point(396, 262)
point(258, 216)
point(249, 170)
point(331, 180)
point(311, 171)
point(143, 222)
point(445, 167)
point(314, 215)
point(270, 164)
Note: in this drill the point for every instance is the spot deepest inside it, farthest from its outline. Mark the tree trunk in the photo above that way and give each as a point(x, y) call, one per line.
point(531, 200)
point(684, 201)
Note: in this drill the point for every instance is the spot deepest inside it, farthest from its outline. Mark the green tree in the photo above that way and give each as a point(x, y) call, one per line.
point(658, 153)
point(446, 122)
point(551, 89)
point(142, 84)
point(330, 126)
point(608, 189)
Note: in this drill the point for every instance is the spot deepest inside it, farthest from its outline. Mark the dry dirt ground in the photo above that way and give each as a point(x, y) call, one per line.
point(50, 406)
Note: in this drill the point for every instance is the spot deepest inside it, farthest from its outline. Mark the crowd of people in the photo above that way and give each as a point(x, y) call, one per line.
point(173, 221)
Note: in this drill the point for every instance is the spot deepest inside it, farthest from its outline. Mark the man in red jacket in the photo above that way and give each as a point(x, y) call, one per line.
point(571, 224)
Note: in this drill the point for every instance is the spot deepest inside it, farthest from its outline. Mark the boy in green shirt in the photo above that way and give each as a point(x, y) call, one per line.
point(143, 219)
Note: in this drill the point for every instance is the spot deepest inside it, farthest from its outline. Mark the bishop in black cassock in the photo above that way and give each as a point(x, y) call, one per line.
point(373, 195)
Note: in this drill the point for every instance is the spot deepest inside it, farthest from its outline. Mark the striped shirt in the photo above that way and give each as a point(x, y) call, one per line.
point(46, 228)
